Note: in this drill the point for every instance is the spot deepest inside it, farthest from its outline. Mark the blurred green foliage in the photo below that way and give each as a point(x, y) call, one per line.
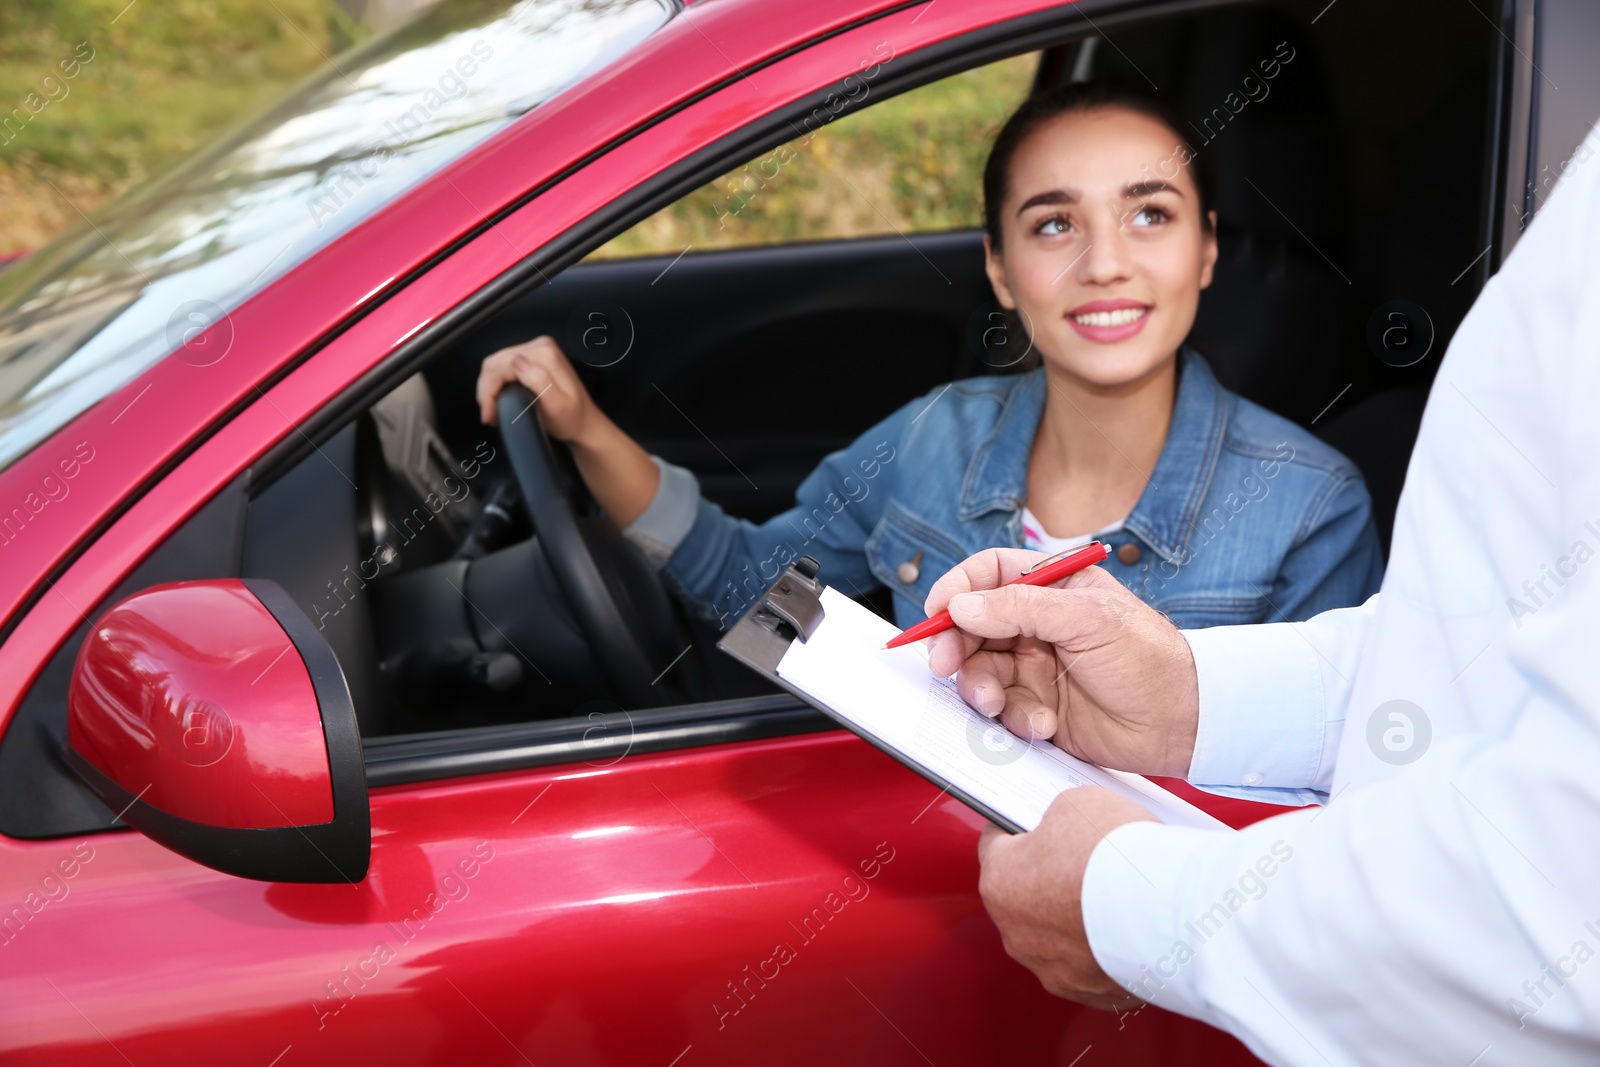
point(165, 76)
point(911, 163)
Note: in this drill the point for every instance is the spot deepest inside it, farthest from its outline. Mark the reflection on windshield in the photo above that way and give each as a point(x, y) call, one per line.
point(102, 303)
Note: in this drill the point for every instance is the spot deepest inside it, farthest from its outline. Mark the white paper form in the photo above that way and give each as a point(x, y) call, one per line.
point(893, 697)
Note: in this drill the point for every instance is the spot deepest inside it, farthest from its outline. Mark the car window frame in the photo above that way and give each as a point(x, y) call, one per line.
point(1537, 126)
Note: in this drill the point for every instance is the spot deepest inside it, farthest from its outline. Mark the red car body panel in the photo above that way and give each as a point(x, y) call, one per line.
point(631, 913)
point(784, 902)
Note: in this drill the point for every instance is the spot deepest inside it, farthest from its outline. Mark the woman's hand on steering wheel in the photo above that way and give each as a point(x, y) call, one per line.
point(619, 606)
point(617, 471)
point(565, 407)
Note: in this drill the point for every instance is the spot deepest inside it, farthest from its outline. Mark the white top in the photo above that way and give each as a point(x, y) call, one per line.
point(1444, 907)
point(1034, 536)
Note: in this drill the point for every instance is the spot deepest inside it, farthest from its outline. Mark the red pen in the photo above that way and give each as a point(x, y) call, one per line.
point(1072, 563)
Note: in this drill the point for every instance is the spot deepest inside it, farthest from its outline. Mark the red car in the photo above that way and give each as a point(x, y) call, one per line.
point(439, 777)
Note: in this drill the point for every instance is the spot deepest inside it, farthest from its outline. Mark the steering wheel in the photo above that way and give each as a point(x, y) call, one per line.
point(603, 608)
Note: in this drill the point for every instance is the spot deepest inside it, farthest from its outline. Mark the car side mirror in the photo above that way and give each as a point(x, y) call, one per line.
point(214, 718)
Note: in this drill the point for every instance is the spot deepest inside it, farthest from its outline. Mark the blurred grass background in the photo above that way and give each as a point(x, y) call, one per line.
point(168, 75)
point(911, 163)
point(165, 76)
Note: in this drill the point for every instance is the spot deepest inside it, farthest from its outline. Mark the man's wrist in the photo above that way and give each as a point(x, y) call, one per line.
point(1186, 719)
point(1130, 884)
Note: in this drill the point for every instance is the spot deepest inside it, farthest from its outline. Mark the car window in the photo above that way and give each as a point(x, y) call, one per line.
point(90, 311)
point(910, 164)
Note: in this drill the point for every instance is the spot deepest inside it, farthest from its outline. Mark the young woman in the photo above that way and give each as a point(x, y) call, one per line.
point(1100, 238)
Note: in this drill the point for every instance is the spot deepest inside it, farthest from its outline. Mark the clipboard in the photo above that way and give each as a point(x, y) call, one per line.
point(791, 610)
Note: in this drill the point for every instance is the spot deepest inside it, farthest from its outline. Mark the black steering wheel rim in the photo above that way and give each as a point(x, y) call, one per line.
point(614, 644)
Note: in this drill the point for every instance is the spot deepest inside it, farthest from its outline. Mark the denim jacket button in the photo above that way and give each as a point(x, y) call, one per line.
point(1129, 554)
point(908, 571)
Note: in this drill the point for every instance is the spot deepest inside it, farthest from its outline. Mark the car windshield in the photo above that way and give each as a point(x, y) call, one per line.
point(106, 300)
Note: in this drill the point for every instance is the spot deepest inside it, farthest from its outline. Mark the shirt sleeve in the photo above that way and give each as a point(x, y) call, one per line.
point(1420, 919)
point(666, 521)
point(1272, 704)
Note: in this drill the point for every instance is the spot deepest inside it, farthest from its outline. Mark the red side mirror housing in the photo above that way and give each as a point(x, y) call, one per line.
point(215, 719)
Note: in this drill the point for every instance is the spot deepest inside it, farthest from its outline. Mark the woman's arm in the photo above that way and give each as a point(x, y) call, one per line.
point(716, 563)
point(617, 471)
point(723, 563)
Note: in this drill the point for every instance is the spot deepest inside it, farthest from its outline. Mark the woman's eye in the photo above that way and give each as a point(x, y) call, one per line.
point(1053, 226)
point(1150, 215)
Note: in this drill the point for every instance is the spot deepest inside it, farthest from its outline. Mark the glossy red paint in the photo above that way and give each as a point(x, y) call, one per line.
point(1235, 812)
point(788, 902)
point(192, 697)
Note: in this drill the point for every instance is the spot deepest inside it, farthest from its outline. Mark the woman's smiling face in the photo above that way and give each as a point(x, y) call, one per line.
point(1105, 250)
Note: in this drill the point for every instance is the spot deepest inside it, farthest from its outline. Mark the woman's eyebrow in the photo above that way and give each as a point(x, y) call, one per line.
point(1141, 189)
point(1131, 191)
point(1054, 196)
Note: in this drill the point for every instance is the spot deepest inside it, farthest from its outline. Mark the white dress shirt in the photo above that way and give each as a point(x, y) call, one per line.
point(1443, 905)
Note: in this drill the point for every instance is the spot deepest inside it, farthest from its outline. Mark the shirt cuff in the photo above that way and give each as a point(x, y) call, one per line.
point(1264, 725)
point(1131, 891)
point(1170, 913)
point(665, 523)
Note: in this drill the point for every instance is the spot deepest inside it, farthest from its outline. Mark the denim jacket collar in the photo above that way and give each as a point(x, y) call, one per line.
point(1167, 510)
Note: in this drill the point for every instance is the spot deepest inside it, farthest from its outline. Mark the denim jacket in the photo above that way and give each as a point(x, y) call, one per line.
point(1246, 517)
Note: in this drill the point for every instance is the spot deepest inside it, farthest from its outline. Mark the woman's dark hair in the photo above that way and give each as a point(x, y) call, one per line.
point(1075, 97)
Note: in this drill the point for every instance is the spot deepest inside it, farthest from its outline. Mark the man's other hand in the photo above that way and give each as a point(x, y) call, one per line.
point(1032, 885)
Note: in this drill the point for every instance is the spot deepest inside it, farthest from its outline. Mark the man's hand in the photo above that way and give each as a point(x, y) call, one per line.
point(1032, 885)
point(1088, 664)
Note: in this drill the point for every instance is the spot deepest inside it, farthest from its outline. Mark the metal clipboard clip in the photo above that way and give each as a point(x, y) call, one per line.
point(793, 599)
point(790, 609)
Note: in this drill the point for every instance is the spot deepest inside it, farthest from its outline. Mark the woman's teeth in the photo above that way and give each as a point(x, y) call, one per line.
point(1119, 317)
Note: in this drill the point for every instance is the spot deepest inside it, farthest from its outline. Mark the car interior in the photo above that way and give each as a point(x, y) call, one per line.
point(409, 535)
